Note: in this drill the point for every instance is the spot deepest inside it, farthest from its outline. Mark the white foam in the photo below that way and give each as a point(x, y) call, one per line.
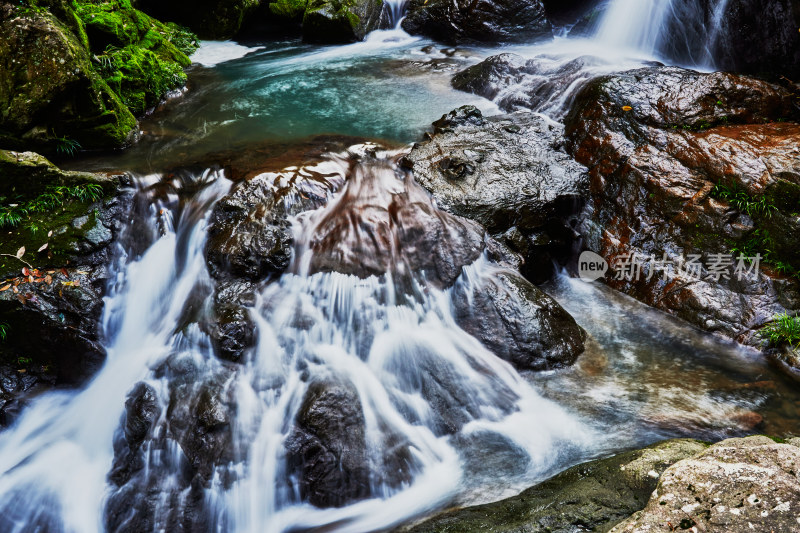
point(212, 53)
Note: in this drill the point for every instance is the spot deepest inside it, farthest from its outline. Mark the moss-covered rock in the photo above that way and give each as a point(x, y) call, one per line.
point(138, 56)
point(52, 273)
point(342, 21)
point(593, 496)
point(288, 9)
point(51, 98)
point(43, 205)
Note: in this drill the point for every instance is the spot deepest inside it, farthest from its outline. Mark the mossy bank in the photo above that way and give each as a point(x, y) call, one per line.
point(76, 73)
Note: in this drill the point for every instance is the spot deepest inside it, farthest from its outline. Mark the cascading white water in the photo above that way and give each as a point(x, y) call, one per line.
point(686, 32)
point(56, 463)
point(634, 24)
point(396, 10)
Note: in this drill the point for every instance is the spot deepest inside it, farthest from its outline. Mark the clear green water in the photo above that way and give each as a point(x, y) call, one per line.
point(387, 88)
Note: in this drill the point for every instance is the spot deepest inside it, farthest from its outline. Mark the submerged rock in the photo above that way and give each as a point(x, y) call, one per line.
point(51, 96)
point(685, 165)
point(486, 21)
point(509, 173)
point(731, 486)
point(592, 496)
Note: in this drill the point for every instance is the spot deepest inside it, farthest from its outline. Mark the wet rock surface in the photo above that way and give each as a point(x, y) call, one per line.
point(327, 451)
point(754, 37)
point(383, 222)
point(486, 21)
point(665, 148)
point(250, 234)
point(518, 322)
point(736, 485)
point(542, 83)
point(188, 432)
point(593, 496)
point(511, 174)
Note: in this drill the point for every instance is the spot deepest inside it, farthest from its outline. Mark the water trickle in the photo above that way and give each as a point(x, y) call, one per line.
point(396, 10)
point(634, 24)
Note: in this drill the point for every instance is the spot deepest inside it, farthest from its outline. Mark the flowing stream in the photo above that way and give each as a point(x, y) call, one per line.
point(387, 346)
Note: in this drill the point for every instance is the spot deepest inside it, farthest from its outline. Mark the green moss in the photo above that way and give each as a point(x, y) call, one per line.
point(291, 9)
point(140, 76)
point(39, 204)
point(62, 244)
point(139, 57)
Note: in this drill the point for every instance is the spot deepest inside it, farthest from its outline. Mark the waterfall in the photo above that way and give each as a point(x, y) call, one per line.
point(396, 10)
point(83, 462)
point(714, 29)
point(685, 32)
point(634, 24)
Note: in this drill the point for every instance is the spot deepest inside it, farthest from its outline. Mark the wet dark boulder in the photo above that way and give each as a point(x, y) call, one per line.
point(230, 327)
point(686, 165)
point(505, 171)
point(191, 439)
point(142, 410)
point(518, 322)
point(383, 222)
point(342, 21)
point(760, 37)
point(567, 11)
point(484, 21)
point(51, 96)
point(593, 496)
point(250, 234)
point(511, 174)
point(327, 450)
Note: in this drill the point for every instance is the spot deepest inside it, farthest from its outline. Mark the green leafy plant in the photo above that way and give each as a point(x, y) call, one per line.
point(4, 331)
point(67, 146)
point(783, 329)
point(12, 214)
point(741, 200)
point(24, 361)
